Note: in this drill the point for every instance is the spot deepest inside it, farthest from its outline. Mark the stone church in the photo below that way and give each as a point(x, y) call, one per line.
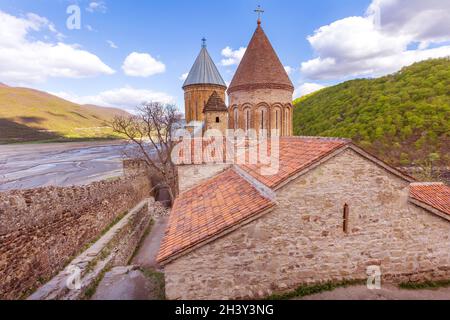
point(260, 94)
point(331, 212)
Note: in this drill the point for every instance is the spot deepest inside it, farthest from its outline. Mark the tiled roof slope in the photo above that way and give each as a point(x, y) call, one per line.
point(260, 67)
point(296, 154)
point(209, 209)
point(436, 195)
point(215, 103)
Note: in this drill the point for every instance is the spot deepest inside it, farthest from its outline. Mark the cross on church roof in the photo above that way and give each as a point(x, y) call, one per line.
point(203, 42)
point(259, 11)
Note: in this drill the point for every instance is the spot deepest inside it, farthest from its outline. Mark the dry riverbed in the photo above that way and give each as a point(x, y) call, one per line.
point(25, 166)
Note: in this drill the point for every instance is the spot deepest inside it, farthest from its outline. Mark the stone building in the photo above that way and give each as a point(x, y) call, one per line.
point(216, 114)
point(260, 94)
point(330, 212)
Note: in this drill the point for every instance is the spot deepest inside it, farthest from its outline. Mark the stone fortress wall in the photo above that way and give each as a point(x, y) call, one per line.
point(41, 230)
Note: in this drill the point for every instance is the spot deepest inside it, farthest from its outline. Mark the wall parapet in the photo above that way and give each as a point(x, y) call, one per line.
point(113, 249)
point(41, 230)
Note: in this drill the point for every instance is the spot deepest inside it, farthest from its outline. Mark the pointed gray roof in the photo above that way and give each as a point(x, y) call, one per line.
point(204, 71)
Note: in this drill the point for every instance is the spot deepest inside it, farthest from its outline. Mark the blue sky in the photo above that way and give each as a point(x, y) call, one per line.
point(165, 37)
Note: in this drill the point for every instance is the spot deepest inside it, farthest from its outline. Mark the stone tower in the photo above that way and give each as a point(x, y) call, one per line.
point(203, 80)
point(216, 114)
point(261, 93)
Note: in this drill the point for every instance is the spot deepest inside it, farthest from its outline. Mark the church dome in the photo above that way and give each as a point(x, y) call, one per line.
point(260, 67)
point(204, 71)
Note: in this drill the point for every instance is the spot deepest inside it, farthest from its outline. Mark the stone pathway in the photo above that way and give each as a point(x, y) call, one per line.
point(388, 292)
point(140, 281)
point(146, 256)
point(125, 283)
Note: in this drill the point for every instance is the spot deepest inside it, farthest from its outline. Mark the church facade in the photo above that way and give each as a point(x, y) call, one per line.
point(331, 213)
point(260, 94)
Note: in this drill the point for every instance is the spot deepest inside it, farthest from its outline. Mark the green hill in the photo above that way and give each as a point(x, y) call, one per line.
point(31, 115)
point(403, 118)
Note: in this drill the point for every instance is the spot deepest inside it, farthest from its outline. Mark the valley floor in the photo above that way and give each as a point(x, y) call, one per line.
point(25, 166)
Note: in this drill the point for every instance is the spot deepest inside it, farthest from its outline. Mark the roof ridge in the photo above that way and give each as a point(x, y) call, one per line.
point(324, 138)
point(436, 183)
point(265, 191)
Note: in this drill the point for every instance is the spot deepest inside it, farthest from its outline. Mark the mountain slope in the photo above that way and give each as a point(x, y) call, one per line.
point(31, 115)
point(403, 118)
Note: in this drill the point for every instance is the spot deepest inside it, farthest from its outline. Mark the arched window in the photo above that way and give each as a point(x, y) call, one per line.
point(263, 119)
point(276, 121)
point(287, 117)
point(346, 218)
point(236, 118)
point(248, 119)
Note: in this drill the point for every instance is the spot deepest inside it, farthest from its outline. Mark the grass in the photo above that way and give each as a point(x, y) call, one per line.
point(30, 115)
point(307, 290)
point(425, 285)
point(158, 279)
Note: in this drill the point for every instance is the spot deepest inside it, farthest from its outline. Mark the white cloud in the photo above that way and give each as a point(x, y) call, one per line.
point(24, 60)
point(112, 44)
point(307, 88)
point(96, 6)
point(289, 69)
point(232, 57)
point(142, 65)
point(379, 42)
point(184, 76)
point(124, 98)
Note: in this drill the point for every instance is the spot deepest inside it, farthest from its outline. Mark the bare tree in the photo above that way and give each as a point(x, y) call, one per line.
point(151, 130)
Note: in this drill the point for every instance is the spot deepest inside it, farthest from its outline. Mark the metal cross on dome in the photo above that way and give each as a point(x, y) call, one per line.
point(259, 11)
point(203, 42)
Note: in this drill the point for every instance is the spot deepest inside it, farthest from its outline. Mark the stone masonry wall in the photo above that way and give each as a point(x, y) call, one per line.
point(42, 229)
point(114, 248)
point(256, 96)
point(302, 241)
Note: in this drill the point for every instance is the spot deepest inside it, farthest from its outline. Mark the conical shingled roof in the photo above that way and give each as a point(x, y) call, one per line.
point(215, 103)
point(260, 67)
point(204, 71)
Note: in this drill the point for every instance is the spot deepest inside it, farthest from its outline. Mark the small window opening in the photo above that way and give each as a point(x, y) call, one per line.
point(346, 217)
point(217, 120)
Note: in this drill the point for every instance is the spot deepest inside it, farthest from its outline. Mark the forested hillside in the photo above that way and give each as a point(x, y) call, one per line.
point(403, 118)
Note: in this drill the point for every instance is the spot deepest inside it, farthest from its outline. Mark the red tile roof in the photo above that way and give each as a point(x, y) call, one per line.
point(260, 67)
point(296, 154)
point(208, 210)
point(436, 195)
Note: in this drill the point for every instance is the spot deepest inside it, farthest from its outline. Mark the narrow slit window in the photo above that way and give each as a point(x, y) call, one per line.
point(217, 120)
point(345, 218)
